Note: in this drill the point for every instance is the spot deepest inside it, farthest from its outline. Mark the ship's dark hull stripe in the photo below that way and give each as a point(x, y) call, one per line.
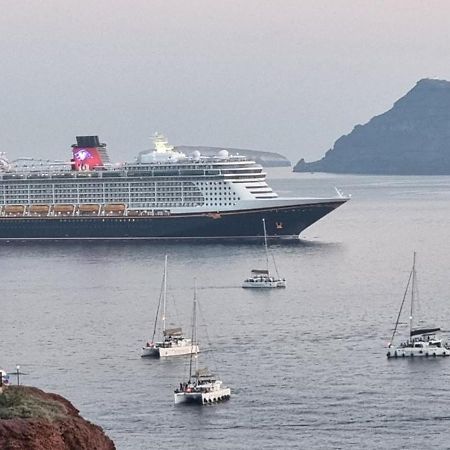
point(280, 222)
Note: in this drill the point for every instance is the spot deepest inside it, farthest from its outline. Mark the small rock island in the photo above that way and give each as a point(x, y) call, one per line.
point(412, 138)
point(31, 419)
point(266, 159)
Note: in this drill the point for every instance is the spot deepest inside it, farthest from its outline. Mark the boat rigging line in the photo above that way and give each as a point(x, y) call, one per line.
point(159, 306)
point(403, 302)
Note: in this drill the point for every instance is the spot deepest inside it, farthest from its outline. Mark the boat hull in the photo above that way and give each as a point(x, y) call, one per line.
point(281, 222)
point(411, 352)
point(202, 398)
point(264, 284)
point(163, 352)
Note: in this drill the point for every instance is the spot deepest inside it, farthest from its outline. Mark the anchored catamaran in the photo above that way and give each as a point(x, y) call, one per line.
point(202, 386)
point(422, 341)
point(173, 342)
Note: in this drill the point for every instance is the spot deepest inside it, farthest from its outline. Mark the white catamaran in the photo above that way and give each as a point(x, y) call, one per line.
point(202, 386)
point(422, 341)
point(261, 278)
point(173, 342)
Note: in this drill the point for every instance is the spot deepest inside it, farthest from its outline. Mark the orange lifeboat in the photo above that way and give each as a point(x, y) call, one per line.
point(63, 209)
point(14, 210)
point(114, 209)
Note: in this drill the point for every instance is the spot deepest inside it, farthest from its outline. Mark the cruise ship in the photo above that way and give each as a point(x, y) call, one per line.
point(164, 194)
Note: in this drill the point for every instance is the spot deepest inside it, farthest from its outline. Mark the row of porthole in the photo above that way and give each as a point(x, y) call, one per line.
point(219, 204)
point(207, 183)
point(90, 220)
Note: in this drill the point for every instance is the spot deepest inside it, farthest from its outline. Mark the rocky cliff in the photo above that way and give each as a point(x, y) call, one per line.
point(412, 138)
point(31, 419)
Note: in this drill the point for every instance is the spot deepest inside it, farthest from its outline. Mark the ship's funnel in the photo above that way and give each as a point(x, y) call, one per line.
point(88, 153)
point(88, 141)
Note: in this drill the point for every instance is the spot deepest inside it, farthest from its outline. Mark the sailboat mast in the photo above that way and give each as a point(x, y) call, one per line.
point(401, 308)
point(412, 294)
point(194, 330)
point(265, 245)
point(164, 295)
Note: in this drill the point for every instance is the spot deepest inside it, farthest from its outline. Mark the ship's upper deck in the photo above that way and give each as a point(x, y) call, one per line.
point(205, 166)
point(90, 161)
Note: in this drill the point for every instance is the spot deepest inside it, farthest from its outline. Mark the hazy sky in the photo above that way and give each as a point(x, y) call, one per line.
point(282, 75)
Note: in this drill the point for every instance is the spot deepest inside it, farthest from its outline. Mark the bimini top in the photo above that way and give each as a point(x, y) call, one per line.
point(173, 332)
point(204, 374)
point(420, 331)
point(260, 272)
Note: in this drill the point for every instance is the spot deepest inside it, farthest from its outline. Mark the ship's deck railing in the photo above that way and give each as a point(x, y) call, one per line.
point(133, 171)
point(47, 167)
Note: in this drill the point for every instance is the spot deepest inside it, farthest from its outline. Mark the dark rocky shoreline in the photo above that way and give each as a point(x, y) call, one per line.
point(412, 138)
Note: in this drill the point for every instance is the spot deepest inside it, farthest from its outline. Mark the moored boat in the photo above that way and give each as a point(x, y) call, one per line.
point(173, 342)
point(422, 341)
point(164, 194)
point(261, 278)
point(202, 387)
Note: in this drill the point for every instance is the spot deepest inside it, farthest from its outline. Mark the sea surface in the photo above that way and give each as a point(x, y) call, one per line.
point(307, 365)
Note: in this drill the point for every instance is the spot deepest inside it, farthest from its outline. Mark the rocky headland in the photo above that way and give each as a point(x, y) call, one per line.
point(266, 159)
point(31, 419)
point(412, 138)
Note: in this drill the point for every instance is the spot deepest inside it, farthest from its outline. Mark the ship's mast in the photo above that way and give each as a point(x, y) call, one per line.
point(265, 245)
point(164, 295)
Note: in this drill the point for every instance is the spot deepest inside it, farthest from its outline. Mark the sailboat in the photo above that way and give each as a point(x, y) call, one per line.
point(422, 341)
point(202, 387)
point(261, 278)
point(173, 343)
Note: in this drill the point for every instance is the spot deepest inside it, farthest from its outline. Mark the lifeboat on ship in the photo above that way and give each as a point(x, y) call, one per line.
point(89, 209)
point(14, 210)
point(38, 210)
point(63, 209)
point(114, 209)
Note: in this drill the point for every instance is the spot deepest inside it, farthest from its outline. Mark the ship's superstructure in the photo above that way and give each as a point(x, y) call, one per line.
point(161, 184)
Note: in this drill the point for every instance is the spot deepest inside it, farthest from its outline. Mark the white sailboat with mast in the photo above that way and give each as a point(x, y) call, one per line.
point(202, 387)
point(261, 278)
point(422, 341)
point(173, 343)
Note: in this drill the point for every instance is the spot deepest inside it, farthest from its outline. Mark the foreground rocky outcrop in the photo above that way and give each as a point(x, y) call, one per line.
point(31, 419)
point(412, 138)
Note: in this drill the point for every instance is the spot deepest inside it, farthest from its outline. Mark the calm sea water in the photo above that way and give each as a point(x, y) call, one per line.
point(306, 365)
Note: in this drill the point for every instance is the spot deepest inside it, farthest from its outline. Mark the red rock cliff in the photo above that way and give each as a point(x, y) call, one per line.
point(31, 419)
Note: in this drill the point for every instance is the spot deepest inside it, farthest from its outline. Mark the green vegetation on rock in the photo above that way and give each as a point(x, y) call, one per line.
point(20, 402)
